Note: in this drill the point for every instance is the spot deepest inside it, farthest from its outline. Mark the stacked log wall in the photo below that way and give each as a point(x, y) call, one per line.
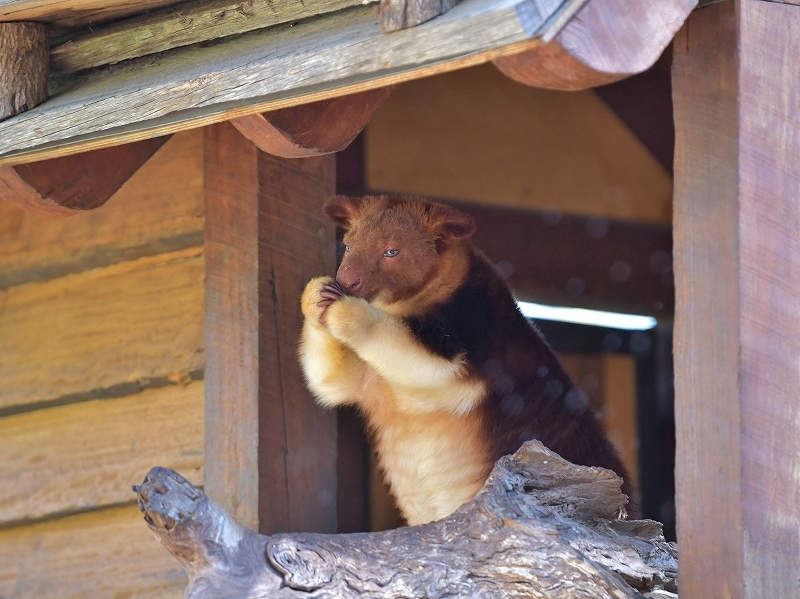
point(101, 377)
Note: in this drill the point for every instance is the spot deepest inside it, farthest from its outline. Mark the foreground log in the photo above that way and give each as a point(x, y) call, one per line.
point(541, 527)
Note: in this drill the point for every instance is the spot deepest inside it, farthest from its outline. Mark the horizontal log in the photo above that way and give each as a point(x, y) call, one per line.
point(320, 58)
point(86, 455)
point(73, 336)
point(107, 553)
point(600, 44)
point(160, 209)
point(312, 129)
point(74, 13)
point(181, 25)
point(70, 184)
point(23, 67)
point(588, 262)
point(540, 528)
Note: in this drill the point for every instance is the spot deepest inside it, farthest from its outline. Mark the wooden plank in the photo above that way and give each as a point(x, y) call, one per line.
point(68, 185)
point(270, 452)
point(74, 13)
point(579, 261)
point(23, 67)
point(312, 129)
point(109, 553)
point(87, 455)
point(320, 58)
point(476, 135)
point(738, 276)
point(158, 210)
point(181, 25)
point(66, 338)
point(599, 45)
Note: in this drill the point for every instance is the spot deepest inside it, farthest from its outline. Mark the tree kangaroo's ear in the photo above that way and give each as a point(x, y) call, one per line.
point(341, 210)
point(449, 224)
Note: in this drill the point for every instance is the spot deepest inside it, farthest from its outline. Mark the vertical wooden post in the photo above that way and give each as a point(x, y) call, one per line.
point(270, 452)
point(24, 64)
point(737, 326)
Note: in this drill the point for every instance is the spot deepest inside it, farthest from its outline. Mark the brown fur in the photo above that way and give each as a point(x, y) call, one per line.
point(429, 343)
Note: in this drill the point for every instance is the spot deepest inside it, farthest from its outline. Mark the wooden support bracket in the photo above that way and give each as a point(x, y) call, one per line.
point(541, 527)
point(402, 14)
point(68, 185)
point(605, 41)
point(24, 62)
point(312, 129)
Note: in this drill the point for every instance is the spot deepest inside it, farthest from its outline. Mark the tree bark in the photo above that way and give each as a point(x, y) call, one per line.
point(541, 527)
point(24, 61)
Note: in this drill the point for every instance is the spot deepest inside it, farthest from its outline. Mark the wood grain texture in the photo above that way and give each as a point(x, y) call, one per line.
point(65, 186)
point(105, 327)
point(108, 553)
point(74, 13)
point(181, 25)
point(86, 455)
point(270, 452)
point(600, 44)
point(312, 129)
point(317, 59)
point(737, 264)
point(24, 66)
point(159, 209)
point(400, 14)
point(476, 135)
point(541, 528)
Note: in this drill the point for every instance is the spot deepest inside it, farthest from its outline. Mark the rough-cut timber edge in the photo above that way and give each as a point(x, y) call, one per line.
point(312, 129)
point(316, 59)
point(24, 64)
point(71, 184)
point(401, 14)
point(541, 527)
point(605, 41)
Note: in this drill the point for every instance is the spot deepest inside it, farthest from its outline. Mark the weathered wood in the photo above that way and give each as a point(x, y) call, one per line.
point(107, 553)
point(312, 129)
point(78, 457)
point(541, 527)
point(317, 59)
point(270, 451)
point(737, 173)
point(476, 135)
point(579, 261)
point(74, 13)
point(160, 209)
point(181, 25)
point(23, 67)
point(400, 14)
point(101, 332)
point(68, 185)
point(600, 44)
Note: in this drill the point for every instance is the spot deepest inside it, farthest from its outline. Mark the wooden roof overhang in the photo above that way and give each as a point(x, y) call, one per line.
point(272, 60)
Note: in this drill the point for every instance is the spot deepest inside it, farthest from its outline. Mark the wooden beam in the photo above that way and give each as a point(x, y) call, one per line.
point(23, 67)
point(317, 59)
point(74, 13)
point(578, 261)
point(605, 41)
point(270, 451)
point(181, 25)
point(312, 129)
point(68, 185)
point(737, 324)
point(401, 14)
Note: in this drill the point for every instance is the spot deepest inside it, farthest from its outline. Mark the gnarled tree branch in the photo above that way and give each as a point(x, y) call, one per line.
point(541, 528)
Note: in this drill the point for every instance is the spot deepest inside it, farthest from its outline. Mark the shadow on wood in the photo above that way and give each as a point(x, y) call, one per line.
point(605, 41)
point(312, 129)
point(541, 527)
point(64, 186)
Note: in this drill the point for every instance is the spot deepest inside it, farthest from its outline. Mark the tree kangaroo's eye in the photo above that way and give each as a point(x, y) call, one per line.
point(347, 248)
point(391, 253)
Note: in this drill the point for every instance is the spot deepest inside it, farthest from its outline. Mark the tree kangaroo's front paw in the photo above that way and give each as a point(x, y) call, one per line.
point(350, 319)
point(318, 296)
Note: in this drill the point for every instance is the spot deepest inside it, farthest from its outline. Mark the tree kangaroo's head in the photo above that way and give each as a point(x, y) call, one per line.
point(396, 249)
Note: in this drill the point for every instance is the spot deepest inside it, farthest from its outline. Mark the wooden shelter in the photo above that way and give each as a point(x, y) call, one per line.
point(192, 144)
